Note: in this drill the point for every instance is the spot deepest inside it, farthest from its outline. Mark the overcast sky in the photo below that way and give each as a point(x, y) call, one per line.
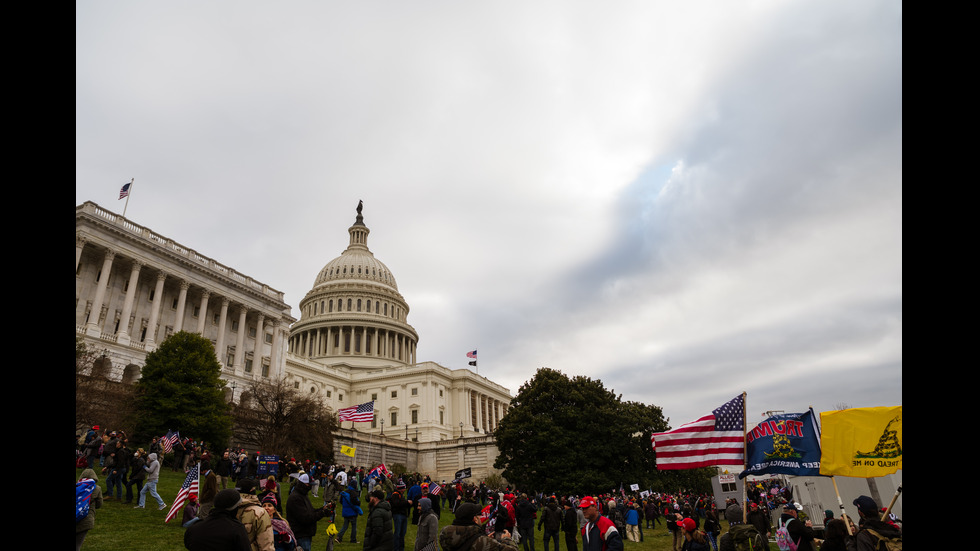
point(685, 200)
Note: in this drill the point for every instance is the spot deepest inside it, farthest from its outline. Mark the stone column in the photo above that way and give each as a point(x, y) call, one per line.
point(155, 308)
point(79, 245)
point(275, 366)
point(94, 328)
point(181, 303)
point(240, 344)
point(222, 325)
point(259, 342)
point(124, 338)
point(202, 316)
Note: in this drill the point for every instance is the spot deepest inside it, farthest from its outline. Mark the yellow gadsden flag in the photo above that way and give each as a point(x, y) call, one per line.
point(861, 442)
point(347, 450)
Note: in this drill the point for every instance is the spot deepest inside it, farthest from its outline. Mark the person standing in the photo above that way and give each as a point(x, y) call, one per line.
point(300, 513)
point(599, 533)
point(223, 470)
point(551, 522)
point(379, 534)
point(136, 464)
point(83, 526)
point(801, 532)
point(872, 527)
point(569, 525)
point(209, 488)
point(760, 519)
point(152, 469)
point(350, 510)
point(399, 516)
point(428, 529)
point(524, 512)
point(257, 521)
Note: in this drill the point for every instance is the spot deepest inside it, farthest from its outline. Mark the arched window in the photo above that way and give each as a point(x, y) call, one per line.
point(358, 305)
point(349, 303)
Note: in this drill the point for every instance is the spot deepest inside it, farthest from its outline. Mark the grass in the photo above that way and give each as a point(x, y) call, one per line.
point(120, 527)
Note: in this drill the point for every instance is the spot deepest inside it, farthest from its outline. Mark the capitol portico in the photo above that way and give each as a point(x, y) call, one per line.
point(352, 344)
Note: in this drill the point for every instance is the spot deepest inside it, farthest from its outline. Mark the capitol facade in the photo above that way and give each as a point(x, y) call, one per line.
point(352, 343)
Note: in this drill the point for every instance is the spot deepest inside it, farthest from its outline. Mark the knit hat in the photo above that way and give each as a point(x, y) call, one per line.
point(733, 514)
point(378, 494)
point(270, 498)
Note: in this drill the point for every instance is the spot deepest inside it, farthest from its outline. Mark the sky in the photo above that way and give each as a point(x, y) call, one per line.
point(684, 200)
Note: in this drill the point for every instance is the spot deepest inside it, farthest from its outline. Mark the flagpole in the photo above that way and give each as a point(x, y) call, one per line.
point(892, 504)
point(745, 458)
point(127, 196)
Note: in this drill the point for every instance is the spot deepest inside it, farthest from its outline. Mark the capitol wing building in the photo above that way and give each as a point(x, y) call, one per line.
point(351, 344)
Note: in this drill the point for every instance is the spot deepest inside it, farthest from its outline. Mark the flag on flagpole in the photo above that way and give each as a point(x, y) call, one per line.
point(435, 489)
point(124, 192)
point(189, 487)
point(362, 413)
point(788, 443)
point(348, 451)
point(471, 354)
point(861, 442)
point(715, 439)
point(169, 440)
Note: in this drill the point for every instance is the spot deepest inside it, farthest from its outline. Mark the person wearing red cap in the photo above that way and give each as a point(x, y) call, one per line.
point(694, 539)
point(599, 533)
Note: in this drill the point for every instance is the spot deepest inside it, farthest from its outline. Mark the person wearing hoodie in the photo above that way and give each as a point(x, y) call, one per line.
point(253, 515)
point(95, 501)
point(466, 534)
point(399, 516)
point(379, 534)
point(152, 469)
point(428, 525)
point(350, 509)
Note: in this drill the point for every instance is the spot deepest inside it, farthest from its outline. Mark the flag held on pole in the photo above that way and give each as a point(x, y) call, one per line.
point(861, 442)
point(715, 439)
point(788, 443)
point(362, 413)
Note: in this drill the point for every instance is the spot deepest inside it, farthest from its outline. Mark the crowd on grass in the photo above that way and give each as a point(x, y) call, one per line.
point(237, 506)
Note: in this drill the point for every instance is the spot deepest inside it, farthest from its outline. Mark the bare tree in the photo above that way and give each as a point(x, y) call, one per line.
point(277, 419)
point(98, 399)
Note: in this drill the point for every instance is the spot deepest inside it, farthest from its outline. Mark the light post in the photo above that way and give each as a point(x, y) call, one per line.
point(234, 385)
point(460, 429)
point(382, 426)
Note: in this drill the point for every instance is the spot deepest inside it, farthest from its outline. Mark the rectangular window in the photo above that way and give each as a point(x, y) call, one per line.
point(234, 326)
point(248, 366)
point(328, 393)
point(374, 421)
point(394, 418)
point(442, 420)
point(374, 397)
point(415, 392)
point(415, 416)
point(394, 394)
point(268, 338)
point(251, 332)
point(265, 370)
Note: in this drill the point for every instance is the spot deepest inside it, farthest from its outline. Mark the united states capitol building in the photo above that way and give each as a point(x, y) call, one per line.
point(352, 343)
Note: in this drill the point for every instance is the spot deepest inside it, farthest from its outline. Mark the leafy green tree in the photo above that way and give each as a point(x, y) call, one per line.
point(572, 436)
point(180, 388)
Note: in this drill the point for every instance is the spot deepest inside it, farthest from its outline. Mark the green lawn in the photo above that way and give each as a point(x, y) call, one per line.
point(119, 527)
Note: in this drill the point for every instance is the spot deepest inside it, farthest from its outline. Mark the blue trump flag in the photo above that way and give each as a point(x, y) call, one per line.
point(788, 443)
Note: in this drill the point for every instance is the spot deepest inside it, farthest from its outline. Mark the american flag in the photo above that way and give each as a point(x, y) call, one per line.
point(169, 440)
point(363, 413)
point(716, 439)
point(471, 354)
point(189, 487)
point(124, 192)
point(434, 489)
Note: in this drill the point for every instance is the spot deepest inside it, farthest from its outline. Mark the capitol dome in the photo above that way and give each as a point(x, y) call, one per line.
point(354, 314)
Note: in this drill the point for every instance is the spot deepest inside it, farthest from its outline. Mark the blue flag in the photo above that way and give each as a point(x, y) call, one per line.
point(788, 443)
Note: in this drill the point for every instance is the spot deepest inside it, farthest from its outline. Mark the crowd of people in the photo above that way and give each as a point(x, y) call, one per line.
point(236, 508)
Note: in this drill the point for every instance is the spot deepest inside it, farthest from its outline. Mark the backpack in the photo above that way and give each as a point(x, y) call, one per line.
point(83, 498)
point(888, 544)
point(783, 540)
point(745, 537)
